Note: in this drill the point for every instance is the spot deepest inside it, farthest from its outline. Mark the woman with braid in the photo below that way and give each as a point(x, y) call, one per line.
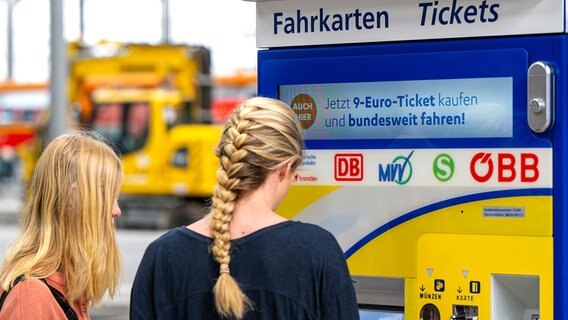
point(242, 260)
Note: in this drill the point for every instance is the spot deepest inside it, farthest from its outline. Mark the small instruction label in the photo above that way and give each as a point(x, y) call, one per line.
point(504, 212)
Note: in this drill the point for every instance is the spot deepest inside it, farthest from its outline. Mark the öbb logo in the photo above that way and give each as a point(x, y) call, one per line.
point(348, 167)
point(482, 167)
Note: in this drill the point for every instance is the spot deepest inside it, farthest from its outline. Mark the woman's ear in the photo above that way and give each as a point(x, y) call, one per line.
point(285, 170)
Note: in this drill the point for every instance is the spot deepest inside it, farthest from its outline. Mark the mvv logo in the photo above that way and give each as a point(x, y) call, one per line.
point(399, 171)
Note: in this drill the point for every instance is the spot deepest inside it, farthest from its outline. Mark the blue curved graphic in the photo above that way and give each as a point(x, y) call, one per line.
point(444, 204)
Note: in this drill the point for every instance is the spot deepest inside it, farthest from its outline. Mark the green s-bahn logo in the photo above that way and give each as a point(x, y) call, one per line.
point(443, 167)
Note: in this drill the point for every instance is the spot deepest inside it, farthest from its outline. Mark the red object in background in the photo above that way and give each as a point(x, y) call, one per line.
point(15, 138)
point(229, 91)
point(222, 107)
point(21, 110)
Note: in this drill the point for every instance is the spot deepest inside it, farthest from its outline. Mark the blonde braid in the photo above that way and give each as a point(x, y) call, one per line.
point(230, 300)
point(261, 135)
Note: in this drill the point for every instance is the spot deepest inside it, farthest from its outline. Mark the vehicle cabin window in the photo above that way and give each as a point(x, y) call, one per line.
point(124, 124)
point(180, 158)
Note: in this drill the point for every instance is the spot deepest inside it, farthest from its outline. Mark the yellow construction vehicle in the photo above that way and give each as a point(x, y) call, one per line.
point(153, 103)
point(178, 67)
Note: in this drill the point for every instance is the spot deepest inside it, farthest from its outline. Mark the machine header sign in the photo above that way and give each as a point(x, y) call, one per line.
point(299, 22)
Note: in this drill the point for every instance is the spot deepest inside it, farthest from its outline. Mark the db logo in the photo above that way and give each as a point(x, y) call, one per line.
point(348, 167)
point(507, 166)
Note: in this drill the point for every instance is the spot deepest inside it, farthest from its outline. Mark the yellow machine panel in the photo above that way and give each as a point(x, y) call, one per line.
point(483, 276)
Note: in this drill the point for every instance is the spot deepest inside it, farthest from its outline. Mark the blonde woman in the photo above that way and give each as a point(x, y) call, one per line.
point(66, 257)
point(244, 261)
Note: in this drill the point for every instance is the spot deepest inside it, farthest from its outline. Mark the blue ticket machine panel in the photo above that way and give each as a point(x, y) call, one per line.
point(420, 156)
point(437, 164)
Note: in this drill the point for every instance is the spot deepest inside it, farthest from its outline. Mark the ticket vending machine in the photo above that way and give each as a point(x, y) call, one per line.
point(435, 147)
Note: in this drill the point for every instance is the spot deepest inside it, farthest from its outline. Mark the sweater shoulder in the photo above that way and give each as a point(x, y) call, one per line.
point(31, 299)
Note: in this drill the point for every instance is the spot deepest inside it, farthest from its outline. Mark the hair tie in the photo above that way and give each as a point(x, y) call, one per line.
point(224, 268)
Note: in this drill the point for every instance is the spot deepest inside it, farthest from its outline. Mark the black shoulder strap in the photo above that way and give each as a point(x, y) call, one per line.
point(2, 298)
point(5, 293)
point(67, 309)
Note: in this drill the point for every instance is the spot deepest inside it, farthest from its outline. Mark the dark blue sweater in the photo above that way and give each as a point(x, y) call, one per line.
point(291, 270)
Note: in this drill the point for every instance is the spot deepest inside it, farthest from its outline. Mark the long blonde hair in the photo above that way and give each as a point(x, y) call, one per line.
point(259, 136)
point(67, 221)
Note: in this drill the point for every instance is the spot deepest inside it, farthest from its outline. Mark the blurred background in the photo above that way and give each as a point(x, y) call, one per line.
point(227, 27)
point(155, 78)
